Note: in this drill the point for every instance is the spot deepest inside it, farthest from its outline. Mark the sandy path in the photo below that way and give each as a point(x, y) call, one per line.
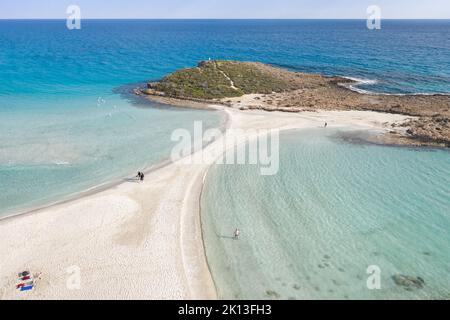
point(136, 240)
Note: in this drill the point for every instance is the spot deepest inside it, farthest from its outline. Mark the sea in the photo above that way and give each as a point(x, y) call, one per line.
point(69, 123)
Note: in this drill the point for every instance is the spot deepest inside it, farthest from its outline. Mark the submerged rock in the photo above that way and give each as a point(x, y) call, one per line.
point(272, 294)
point(408, 283)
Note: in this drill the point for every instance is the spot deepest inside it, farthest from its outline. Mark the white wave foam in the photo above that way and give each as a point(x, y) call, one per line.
point(61, 163)
point(362, 81)
point(359, 81)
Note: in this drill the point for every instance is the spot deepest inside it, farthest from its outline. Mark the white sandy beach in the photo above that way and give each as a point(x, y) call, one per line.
point(138, 240)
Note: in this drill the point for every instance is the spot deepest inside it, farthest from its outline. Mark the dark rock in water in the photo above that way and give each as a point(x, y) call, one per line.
point(335, 282)
point(272, 294)
point(326, 256)
point(152, 85)
point(408, 283)
point(427, 253)
point(296, 287)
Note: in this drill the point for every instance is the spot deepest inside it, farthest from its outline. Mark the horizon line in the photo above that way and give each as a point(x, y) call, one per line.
point(116, 18)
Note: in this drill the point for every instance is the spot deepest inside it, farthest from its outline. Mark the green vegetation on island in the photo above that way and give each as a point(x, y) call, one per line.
point(223, 79)
point(277, 89)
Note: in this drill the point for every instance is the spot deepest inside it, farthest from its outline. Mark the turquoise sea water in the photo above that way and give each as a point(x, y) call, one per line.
point(44, 57)
point(59, 147)
point(67, 119)
point(333, 209)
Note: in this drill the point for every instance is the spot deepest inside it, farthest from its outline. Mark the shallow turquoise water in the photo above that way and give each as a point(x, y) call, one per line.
point(333, 209)
point(58, 147)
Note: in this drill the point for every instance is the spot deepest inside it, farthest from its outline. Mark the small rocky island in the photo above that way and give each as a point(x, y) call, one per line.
point(252, 85)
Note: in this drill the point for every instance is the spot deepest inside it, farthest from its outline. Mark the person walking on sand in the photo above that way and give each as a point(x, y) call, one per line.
point(142, 176)
point(326, 125)
point(138, 176)
point(236, 234)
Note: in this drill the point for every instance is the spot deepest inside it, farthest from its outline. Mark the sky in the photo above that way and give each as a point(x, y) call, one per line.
point(225, 9)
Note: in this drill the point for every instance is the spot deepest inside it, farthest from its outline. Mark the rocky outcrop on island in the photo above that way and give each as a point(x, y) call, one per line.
point(251, 85)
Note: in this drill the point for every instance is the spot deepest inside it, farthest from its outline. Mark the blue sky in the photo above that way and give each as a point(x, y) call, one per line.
point(237, 9)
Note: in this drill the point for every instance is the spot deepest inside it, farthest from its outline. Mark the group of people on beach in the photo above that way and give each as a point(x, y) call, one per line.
point(140, 176)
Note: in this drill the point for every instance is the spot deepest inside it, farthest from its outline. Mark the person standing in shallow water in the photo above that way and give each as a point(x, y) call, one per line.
point(237, 232)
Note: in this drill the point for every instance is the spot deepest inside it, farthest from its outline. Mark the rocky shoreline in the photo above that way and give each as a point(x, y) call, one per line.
point(256, 86)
